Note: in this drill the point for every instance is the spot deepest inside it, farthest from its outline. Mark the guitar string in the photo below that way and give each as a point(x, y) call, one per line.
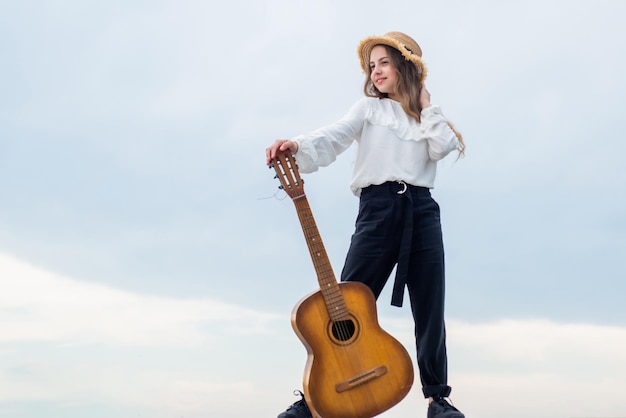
point(342, 322)
point(339, 315)
point(341, 326)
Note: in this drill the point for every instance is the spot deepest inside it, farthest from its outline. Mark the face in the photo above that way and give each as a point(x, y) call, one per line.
point(384, 75)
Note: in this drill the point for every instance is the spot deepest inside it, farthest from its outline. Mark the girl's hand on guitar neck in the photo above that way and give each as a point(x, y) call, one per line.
point(279, 145)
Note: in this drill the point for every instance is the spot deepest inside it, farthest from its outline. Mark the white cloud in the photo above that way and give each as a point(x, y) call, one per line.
point(38, 305)
point(538, 340)
point(63, 340)
point(530, 368)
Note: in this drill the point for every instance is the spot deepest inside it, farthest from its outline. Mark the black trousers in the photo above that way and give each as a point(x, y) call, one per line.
point(399, 225)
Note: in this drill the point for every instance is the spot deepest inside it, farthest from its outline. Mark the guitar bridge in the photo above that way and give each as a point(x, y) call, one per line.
point(361, 379)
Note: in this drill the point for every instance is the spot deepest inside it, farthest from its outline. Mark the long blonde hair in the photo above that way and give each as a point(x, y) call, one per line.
point(407, 89)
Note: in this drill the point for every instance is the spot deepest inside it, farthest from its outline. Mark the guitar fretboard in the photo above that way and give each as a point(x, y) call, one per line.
point(325, 276)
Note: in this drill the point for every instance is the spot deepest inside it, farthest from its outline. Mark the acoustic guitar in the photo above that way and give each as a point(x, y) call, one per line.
point(354, 368)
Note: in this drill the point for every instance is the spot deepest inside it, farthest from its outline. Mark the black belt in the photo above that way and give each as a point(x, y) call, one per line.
point(401, 188)
point(397, 296)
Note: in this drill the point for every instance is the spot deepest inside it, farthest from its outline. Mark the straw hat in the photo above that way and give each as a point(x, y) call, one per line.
point(398, 40)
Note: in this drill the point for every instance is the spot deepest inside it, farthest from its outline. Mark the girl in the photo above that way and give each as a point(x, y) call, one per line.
point(400, 137)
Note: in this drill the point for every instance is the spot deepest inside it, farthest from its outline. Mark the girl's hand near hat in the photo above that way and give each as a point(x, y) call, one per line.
point(279, 145)
point(424, 97)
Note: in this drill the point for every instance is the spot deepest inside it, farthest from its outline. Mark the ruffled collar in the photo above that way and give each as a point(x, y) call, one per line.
point(389, 114)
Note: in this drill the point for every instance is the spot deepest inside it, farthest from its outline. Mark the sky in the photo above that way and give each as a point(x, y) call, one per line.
point(149, 263)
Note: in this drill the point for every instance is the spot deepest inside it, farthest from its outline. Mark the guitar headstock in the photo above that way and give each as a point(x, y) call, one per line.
point(287, 172)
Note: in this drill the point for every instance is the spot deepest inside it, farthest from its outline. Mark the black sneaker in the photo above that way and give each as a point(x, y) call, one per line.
point(440, 408)
point(299, 409)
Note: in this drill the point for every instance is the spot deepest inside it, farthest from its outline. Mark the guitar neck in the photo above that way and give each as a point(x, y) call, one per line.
point(325, 276)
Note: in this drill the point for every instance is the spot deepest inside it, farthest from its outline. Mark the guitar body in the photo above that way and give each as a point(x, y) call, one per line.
point(354, 368)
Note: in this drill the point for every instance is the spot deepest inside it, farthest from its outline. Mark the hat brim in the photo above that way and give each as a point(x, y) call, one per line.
point(366, 45)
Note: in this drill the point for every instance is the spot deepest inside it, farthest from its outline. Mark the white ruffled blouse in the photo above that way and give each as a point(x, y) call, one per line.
point(392, 146)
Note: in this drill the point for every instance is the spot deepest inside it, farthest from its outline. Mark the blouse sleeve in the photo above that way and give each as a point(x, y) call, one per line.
point(441, 138)
point(322, 146)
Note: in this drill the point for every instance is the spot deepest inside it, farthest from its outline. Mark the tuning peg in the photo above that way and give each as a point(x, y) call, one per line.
point(281, 187)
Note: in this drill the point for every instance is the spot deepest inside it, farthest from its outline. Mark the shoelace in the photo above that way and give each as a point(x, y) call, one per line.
point(446, 403)
point(299, 404)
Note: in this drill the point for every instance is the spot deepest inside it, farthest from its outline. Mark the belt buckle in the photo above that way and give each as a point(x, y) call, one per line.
point(403, 184)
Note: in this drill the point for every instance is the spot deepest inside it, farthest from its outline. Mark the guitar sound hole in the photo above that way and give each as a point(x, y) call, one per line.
point(343, 330)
